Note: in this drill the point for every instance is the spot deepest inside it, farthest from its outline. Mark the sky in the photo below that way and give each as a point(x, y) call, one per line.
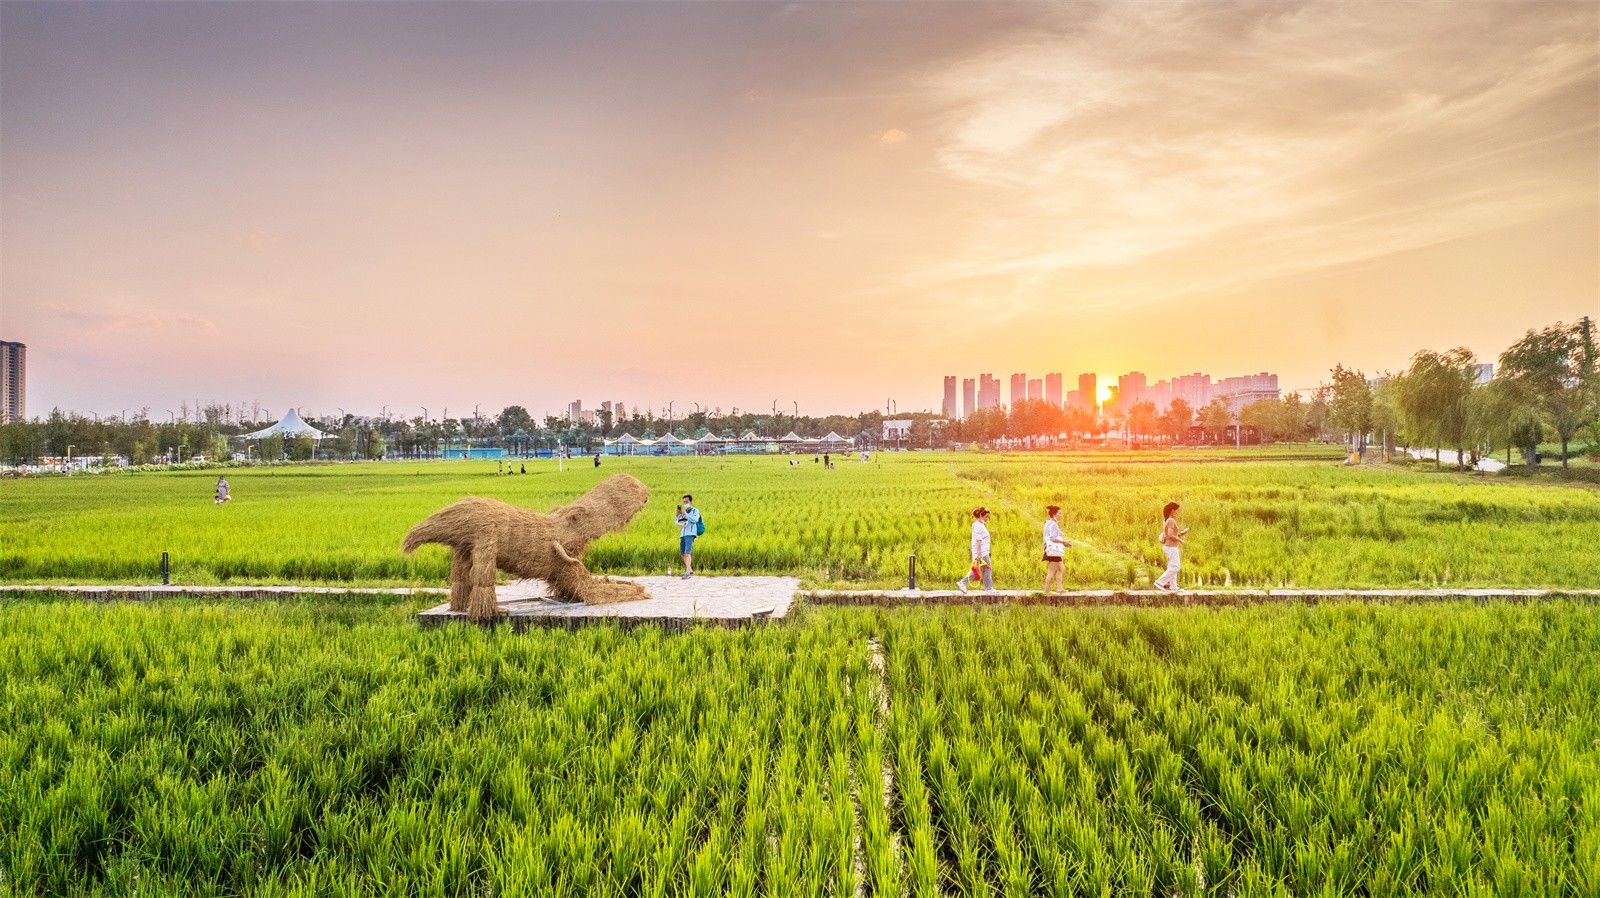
point(363, 205)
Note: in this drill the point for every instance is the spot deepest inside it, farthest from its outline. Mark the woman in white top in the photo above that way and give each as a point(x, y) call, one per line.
point(1055, 543)
point(1171, 543)
point(980, 552)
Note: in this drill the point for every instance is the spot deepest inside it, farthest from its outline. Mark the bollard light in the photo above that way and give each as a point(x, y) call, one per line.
point(166, 570)
point(911, 582)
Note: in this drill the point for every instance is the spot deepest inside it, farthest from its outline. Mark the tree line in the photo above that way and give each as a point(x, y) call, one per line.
point(1546, 389)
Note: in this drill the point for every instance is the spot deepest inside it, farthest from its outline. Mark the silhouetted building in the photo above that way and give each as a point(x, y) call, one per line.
point(951, 410)
point(1019, 388)
point(1052, 389)
point(988, 391)
point(1036, 388)
point(969, 398)
point(1088, 397)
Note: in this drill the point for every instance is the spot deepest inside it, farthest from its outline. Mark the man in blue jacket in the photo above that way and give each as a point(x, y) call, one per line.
point(688, 528)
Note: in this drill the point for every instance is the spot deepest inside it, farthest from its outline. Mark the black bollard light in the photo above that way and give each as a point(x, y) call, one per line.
point(166, 570)
point(912, 581)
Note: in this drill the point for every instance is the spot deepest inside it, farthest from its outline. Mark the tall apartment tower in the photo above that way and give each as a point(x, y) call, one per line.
point(951, 410)
point(969, 398)
point(1052, 389)
point(1036, 388)
point(575, 410)
point(1088, 392)
point(13, 381)
point(988, 391)
point(1019, 388)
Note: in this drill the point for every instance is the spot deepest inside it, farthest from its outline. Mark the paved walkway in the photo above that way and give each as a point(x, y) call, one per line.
point(733, 601)
point(891, 597)
point(673, 601)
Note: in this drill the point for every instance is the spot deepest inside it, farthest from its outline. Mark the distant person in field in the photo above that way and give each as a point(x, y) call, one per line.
point(1055, 547)
point(222, 492)
point(980, 552)
point(597, 459)
point(1171, 541)
point(689, 527)
point(523, 468)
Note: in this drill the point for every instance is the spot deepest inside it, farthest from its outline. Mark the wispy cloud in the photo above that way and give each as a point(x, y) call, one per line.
point(99, 322)
point(891, 137)
point(1249, 142)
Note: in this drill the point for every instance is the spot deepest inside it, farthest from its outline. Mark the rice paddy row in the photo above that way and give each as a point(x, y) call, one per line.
point(325, 748)
point(1257, 523)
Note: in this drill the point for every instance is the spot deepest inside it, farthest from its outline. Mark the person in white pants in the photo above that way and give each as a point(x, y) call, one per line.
point(980, 551)
point(1171, 541)
point(1055, 544)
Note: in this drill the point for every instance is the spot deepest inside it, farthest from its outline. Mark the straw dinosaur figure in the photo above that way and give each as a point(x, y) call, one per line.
point(487, 534)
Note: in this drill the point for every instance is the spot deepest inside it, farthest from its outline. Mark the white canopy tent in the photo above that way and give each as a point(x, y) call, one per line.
point(289, 425)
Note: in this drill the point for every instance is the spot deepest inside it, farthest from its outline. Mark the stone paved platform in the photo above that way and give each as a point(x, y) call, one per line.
point(674, 602)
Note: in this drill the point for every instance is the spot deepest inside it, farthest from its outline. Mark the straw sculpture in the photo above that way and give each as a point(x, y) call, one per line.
point(487, 534)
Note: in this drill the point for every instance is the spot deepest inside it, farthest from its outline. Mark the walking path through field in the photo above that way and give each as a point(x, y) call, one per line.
point(733, 601)
point(1449, 457)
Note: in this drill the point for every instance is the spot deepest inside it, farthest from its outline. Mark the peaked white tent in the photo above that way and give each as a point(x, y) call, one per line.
point(289, 425)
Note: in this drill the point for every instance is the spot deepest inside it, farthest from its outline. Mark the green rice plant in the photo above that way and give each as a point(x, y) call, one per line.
point(1256, 523)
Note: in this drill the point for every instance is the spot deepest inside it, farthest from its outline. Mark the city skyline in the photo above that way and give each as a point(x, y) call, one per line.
point(829, 204)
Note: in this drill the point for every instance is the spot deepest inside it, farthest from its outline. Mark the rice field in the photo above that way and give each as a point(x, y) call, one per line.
point(331, 748)
point(1258, 520)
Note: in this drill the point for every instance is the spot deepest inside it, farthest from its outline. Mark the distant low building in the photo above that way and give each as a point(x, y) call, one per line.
point(897, 429)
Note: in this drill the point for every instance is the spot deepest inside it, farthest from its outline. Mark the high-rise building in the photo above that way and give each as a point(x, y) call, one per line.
point(1130, 392)
point(622, 411)
point(1036, 388)
point(1087, 394)
point(13, 381)
point(969, 398)
point(988, 391)
point(1052, 389)
point(1019, 388)
point(575, 410)
point(951, 410)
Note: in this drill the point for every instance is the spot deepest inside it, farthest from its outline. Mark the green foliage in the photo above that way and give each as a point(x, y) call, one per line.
point(312, 747)
point(1354, 750)
point(1255, 523)
point(1433, 397)
point(1556, 372)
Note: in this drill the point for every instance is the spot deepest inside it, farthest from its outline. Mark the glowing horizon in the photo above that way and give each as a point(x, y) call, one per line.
point(362, 205)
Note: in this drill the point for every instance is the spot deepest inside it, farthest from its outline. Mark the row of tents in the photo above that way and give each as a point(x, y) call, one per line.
point(791, 442)
point(291, 425)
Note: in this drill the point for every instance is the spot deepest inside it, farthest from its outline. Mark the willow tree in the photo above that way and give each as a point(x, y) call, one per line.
point(1432, 397)
point(1555, 372)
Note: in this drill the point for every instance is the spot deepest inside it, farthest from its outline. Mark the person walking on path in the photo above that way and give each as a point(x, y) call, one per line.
point(1171, 541)
point(222, 492)
point(980, 552)
point(689, 527)
point(1055, 545)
